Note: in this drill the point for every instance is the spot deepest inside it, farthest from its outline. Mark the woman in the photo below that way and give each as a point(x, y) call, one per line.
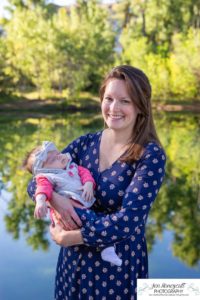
point(127, 162)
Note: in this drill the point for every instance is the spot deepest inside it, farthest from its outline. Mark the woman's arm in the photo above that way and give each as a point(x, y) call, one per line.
point(102, 231)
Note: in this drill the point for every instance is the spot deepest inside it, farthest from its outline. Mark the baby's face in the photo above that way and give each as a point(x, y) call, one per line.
point(55, 160)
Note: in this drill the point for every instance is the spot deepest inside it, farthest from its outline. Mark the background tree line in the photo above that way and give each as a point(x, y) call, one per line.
point(47, 48)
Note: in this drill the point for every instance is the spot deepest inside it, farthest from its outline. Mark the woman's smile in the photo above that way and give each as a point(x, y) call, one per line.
point(115, 117)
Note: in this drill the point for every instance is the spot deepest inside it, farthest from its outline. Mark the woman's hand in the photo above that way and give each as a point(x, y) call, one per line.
point(65, 238)
point(66, 214)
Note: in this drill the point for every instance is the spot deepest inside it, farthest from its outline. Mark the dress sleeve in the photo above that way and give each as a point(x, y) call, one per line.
point(74, 148)
point(102, 231)
point(44, 186)
point(85, 175)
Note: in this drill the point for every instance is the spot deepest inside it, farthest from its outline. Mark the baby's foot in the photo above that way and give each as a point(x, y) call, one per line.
point(109, 254)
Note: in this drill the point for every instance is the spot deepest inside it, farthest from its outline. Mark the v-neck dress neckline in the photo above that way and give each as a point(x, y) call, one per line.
point(117, 161)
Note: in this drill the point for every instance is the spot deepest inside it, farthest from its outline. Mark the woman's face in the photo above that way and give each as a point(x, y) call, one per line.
point(118, 110)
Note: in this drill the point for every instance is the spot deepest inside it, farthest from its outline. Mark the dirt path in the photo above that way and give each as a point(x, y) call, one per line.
point(179, 107)
point(58, 105)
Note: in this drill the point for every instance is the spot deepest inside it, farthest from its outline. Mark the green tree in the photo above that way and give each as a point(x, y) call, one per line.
point(59, 51)
point(184, 64)
point(176, 76)
point(38, 51)
point(27, 47)
point(89, 22)
point(29, 4)
point(158, 20)
point(2, 64)
point(162, 38)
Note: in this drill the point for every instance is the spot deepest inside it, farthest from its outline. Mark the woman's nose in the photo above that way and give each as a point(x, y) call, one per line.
point(114, 105)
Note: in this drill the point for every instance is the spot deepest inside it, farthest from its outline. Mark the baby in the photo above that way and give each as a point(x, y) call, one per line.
point(56, 171)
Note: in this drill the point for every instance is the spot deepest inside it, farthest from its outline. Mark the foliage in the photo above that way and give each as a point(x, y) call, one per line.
point(2, 55)
point(136, 52)
point(175, 76)
point(52, 51)
point(157, 20)
point(6, 82)
point(184, 65)
point(96, 39)
point(162, 38)
point(70, 49)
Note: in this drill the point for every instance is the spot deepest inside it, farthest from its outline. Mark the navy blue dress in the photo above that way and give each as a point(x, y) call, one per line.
point(124, 195)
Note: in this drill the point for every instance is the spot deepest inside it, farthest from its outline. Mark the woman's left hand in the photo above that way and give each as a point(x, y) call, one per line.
point(66, 212)
point(65, 238)
point(58, 234)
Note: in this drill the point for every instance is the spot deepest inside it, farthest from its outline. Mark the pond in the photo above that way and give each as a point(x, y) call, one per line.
point(28, 257)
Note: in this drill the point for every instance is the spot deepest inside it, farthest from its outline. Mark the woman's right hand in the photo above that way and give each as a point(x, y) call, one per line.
point(66, 213)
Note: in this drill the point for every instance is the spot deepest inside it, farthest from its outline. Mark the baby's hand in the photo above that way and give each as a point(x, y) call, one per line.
point(88, 193)
point(41, 207)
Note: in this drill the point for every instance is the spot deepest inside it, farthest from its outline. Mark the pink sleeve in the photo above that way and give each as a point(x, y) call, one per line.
point(44, 186)
point(85, 176)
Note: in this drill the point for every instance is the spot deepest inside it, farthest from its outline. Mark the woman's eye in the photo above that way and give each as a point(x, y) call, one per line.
point(125, 101)
point(108, 99)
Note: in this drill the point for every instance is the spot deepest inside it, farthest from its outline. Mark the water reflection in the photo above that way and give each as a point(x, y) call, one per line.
point(177, 207)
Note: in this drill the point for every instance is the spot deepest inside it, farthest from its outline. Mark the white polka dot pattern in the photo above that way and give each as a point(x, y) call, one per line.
point(124, 193)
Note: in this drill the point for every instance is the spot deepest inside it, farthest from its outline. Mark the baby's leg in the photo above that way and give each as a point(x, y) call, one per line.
point(109, 254)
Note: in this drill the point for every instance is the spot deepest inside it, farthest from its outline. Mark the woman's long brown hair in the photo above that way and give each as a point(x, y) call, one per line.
point(139, 90)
